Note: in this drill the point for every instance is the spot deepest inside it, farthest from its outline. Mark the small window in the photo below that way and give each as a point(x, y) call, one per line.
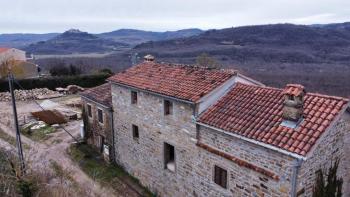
point(100, 115)
point(133, 97)
point(291, 97)
point(169, 157)
point(220, 176)
point(135, 131)
point(168, 107)
point(89, 110)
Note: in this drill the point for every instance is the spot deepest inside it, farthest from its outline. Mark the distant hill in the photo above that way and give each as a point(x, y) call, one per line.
point(74, 41)
point(129, 37)
point(21, 40)
point(133, 37)
point(317, 56)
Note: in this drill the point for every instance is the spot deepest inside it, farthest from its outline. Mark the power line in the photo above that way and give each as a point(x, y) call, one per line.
point(18, 134)
point(60, 126)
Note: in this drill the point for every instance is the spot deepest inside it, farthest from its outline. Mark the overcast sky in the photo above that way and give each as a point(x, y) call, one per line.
point(40, 16)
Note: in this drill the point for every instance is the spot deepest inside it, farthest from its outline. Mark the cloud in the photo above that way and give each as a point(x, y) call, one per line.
point(160, 15)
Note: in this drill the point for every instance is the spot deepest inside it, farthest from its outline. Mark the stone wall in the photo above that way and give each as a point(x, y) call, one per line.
point(143, 157)
point(334, 144)
point(244, 177)
point(97, 129)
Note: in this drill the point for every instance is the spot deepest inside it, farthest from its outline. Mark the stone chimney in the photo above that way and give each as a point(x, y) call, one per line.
point(149, 58)
point(293, 102)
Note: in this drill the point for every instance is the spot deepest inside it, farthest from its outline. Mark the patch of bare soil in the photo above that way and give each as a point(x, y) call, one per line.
point(41, 154)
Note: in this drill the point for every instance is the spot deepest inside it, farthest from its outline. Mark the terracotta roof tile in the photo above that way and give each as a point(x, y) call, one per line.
point(3, 49)
point(256, 112)
point(180, 81)
point(100, 94)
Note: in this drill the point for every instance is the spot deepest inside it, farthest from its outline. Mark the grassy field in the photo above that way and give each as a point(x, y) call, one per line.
point(40, 134)
point(92, 163)
point(10, 139)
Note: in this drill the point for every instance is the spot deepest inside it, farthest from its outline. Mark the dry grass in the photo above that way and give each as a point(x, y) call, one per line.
point(50, 180)
point(11, 140)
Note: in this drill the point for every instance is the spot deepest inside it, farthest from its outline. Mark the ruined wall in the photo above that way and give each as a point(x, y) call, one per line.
point(143, 157)
point(334, 144)
point(96, 128)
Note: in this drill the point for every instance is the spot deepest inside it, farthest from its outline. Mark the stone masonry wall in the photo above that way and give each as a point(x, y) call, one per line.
point(96, 128)
point(144, 157)
point(335, 144)
point(243, 181)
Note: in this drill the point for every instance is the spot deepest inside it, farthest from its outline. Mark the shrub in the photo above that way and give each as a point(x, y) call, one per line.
point(61, 81)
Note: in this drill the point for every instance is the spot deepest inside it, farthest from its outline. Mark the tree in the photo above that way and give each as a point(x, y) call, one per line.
point(333, 186)
point(205, 60)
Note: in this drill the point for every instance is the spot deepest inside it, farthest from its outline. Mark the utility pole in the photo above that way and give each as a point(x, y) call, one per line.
point(18, 134)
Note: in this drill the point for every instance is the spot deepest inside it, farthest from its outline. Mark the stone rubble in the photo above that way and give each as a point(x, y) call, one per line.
point(26, 95)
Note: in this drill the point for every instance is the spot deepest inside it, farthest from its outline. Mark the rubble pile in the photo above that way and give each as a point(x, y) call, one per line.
point(25, 95)
point(71, 89)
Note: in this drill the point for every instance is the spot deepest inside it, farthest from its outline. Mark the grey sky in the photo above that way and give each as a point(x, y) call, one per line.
point(40, 16)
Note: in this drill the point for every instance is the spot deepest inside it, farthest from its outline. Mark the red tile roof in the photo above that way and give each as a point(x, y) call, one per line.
point(3, 49)
point(256, 113)
point(180, 81)
point(100, 94)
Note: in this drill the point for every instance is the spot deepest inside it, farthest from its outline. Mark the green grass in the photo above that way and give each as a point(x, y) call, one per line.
point(38, 134)
point(11, 140)
point(92, 163)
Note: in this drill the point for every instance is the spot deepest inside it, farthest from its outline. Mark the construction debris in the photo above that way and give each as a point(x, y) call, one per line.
point(25, 95)
point(50, 117)
point(71, 89)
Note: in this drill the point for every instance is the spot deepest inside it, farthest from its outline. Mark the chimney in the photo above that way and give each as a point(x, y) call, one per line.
point(149, 58)
point(293, 102)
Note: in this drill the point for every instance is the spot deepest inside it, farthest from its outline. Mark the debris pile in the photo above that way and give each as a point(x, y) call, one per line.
point(25, 95)
point(71, 89)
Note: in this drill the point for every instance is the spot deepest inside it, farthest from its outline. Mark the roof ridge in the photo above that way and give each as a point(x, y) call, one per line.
point(263, 87)
point(328, 96)
point(196, 66)
point(307, 93)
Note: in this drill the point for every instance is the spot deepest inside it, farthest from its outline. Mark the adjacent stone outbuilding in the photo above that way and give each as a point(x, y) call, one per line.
point(98, 119)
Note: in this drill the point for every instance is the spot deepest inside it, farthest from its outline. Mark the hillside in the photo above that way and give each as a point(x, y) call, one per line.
point(134, 37)
point(75, 41)
point(21, 40)
point(317, 56)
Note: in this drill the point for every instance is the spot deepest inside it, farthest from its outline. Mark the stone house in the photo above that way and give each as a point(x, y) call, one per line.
point(98, 119)
point(12, 53)
point(20, 67)
point(193, 131)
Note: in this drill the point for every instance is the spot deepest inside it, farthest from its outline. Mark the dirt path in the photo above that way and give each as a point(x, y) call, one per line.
point(55, 149)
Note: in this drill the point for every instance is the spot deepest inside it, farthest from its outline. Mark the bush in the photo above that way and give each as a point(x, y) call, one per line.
point(62, 81)
point(62, 70)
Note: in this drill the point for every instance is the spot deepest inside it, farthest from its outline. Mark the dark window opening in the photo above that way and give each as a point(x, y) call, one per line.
point(101, 142)
point(135, 131)
point(133, 97)
point(169, 157)
point(100, 115)
point(168, 107)
point(89, 111)
point(220, 176)
point(291, 97)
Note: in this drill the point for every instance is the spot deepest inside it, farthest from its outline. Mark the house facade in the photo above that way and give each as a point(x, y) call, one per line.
point(192, 131)
point(19, 66)
point(12, 53)
point(98, 119)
